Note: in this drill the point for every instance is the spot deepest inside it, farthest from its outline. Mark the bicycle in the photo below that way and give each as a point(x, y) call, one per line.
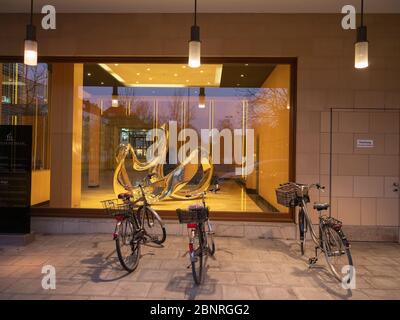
point(331, 239)
point(201, 236)
point(137, 223)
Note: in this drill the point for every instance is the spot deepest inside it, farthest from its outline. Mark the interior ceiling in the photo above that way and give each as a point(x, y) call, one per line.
point(176, 75)
point(164, 75)
point(245, 75)
point(256, 6)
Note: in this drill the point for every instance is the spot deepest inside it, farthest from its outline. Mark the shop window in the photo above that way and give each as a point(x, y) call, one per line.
point(248, 105)
point(24, 101)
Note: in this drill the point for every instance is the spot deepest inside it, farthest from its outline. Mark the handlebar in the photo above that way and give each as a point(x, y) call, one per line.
point(126, 196)
point(317, 186)
point(202, 194)
point(301, 186)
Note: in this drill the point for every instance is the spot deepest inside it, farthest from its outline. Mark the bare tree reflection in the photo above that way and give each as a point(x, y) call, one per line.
point(35, 84)
point(265, 105)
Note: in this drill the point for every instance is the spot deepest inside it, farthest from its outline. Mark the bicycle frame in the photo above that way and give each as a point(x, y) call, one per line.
point(192, 228)
point(316, 238)
point(200, 227)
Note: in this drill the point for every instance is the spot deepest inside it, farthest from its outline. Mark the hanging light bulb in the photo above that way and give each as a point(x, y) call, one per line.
point(194, 43)
point(361, 46)
point(114, 98)
point(30, 45)
point(202, 98)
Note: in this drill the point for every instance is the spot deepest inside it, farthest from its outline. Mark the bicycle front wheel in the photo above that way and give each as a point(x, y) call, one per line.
point(210, 239)
point(128, 249)
point(337, 253)
point(302, 231)
point(197, 256)
point(152, 224)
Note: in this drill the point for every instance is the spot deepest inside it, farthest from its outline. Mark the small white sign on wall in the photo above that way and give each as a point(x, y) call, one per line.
point(365, 143)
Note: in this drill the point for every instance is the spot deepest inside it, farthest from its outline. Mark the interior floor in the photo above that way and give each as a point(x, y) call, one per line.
point(232, 196)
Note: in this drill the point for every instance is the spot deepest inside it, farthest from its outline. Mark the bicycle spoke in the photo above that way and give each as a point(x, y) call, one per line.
point(337, 254)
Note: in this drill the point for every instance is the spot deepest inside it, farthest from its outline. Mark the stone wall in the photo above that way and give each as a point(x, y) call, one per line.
point(326, 76)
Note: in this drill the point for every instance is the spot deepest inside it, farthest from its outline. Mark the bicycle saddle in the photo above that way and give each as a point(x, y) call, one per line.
point(321, 206)
point(124, 196)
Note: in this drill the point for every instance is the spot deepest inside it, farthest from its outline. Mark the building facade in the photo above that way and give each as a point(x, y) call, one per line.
point(332, 108)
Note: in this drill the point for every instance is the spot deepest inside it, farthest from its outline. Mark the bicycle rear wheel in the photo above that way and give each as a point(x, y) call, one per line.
point(196, 255)
point(337, 253)
point(152, 224)
point(128, 249)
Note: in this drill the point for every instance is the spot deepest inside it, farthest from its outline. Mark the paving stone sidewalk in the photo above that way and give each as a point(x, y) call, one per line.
point(87, 268)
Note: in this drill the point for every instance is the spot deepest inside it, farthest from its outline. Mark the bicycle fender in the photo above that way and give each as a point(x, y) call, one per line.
point(156, 215)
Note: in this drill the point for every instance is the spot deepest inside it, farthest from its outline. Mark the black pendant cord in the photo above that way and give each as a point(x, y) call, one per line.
point(195, 12)
point(31, 12)
point(362, 13)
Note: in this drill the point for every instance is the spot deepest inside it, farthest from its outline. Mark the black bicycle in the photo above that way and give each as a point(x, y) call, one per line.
point(331, 239)
point(201, 236)
point(137, 223)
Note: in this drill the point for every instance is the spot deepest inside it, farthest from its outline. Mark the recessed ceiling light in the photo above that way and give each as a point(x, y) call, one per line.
point(102, 82)
point(242, 75)
point(238, 84)
point(150, 78)
point(201, 71)
point(208, 82)
point(116, 64)
point(137, 82)
point(89, 74)
point(246, 64)
point(148, 69)
point(183, 67)
point(175, 74)
point(138, 73)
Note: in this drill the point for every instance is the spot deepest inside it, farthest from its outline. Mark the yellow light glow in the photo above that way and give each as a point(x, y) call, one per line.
point(361, 55)
point(194, 54)
point(30, 53)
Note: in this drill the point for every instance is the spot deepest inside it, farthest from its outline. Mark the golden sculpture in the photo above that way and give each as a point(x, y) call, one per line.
point(176, 184)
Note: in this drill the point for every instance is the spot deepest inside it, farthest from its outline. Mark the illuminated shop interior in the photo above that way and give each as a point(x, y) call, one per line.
point(118, 103)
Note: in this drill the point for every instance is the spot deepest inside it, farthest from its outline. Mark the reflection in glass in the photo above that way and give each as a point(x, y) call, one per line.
point(24, 101)
point(260, 103)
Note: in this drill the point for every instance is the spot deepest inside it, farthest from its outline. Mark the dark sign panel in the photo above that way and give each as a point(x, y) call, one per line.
point(15, 178)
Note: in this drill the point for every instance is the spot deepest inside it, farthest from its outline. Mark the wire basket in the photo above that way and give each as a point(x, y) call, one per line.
point(287, 196)
point(116, 207)
point(193, 215)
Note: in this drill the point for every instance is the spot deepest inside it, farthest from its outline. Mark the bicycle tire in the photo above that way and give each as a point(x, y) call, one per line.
point(302, 231)
point(196, 256)
point(331, 237)
point(210, 241)
point(130, 260)
point(153, 226)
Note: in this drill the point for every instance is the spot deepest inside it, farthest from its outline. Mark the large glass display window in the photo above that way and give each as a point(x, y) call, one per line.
point(238, 115)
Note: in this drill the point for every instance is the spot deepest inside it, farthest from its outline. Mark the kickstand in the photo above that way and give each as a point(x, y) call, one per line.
point(312, 261)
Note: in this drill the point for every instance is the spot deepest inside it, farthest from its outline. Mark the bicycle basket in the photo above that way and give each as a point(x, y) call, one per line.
point(286, 195)
point(193, 215)
point(116, 207)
